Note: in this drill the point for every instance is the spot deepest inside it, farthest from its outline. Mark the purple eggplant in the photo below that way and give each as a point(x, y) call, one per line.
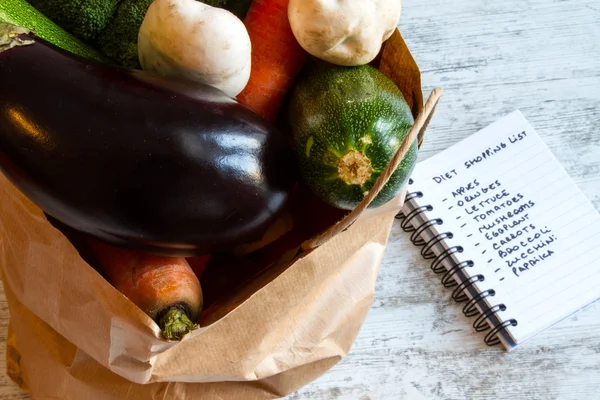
point(136, 159)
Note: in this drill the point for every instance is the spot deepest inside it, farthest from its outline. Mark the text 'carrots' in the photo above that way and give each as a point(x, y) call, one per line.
point(277, 58)
point(165, 288)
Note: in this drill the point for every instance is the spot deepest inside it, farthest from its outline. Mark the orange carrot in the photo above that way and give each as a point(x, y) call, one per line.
point(165, 288)
point(277, 58)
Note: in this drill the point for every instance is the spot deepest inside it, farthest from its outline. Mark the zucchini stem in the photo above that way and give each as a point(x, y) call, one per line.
point(9, 36)
point(355, 168)
point(175, 323)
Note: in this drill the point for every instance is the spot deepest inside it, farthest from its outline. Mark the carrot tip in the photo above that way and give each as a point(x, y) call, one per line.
point(175, 324)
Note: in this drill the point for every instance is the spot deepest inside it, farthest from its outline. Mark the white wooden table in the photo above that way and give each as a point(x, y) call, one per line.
point(491, 57)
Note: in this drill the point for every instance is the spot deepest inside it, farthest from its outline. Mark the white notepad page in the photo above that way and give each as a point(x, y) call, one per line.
point(522, 221)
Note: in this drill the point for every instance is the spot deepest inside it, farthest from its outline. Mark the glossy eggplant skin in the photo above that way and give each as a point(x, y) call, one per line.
point(136, 159)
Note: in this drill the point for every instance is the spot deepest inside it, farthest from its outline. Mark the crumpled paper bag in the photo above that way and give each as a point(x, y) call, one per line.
point(73, 336)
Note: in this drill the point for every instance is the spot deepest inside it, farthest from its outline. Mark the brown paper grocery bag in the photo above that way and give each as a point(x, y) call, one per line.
point(73, 336)
point(286, 335)
point(291, 332)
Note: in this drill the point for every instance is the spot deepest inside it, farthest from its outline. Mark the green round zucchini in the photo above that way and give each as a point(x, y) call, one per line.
point(347, 124)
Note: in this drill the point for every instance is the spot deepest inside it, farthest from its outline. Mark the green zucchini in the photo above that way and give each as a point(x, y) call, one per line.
point(347, 124)
point(21, 13)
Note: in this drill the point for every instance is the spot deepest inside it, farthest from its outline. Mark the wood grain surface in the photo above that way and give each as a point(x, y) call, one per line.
point(491, 57)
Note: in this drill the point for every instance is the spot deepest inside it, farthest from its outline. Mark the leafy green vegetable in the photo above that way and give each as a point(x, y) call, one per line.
point(237, 7)
point(21, 13)
point(216, 3)
point(83, 18)
point(119, 40)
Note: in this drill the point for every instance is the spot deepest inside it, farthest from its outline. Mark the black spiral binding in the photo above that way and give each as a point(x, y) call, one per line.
point(459, 294)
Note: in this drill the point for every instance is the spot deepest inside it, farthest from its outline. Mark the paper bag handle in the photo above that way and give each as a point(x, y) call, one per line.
point(416, 132)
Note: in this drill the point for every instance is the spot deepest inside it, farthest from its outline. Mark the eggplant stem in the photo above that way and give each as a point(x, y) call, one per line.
point(175, 324)
point(9, 36)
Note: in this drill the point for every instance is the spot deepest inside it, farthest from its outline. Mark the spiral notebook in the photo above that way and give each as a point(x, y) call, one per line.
point(509, 232)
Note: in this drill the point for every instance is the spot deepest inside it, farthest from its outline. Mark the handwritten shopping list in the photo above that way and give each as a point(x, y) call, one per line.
point(517, 213)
